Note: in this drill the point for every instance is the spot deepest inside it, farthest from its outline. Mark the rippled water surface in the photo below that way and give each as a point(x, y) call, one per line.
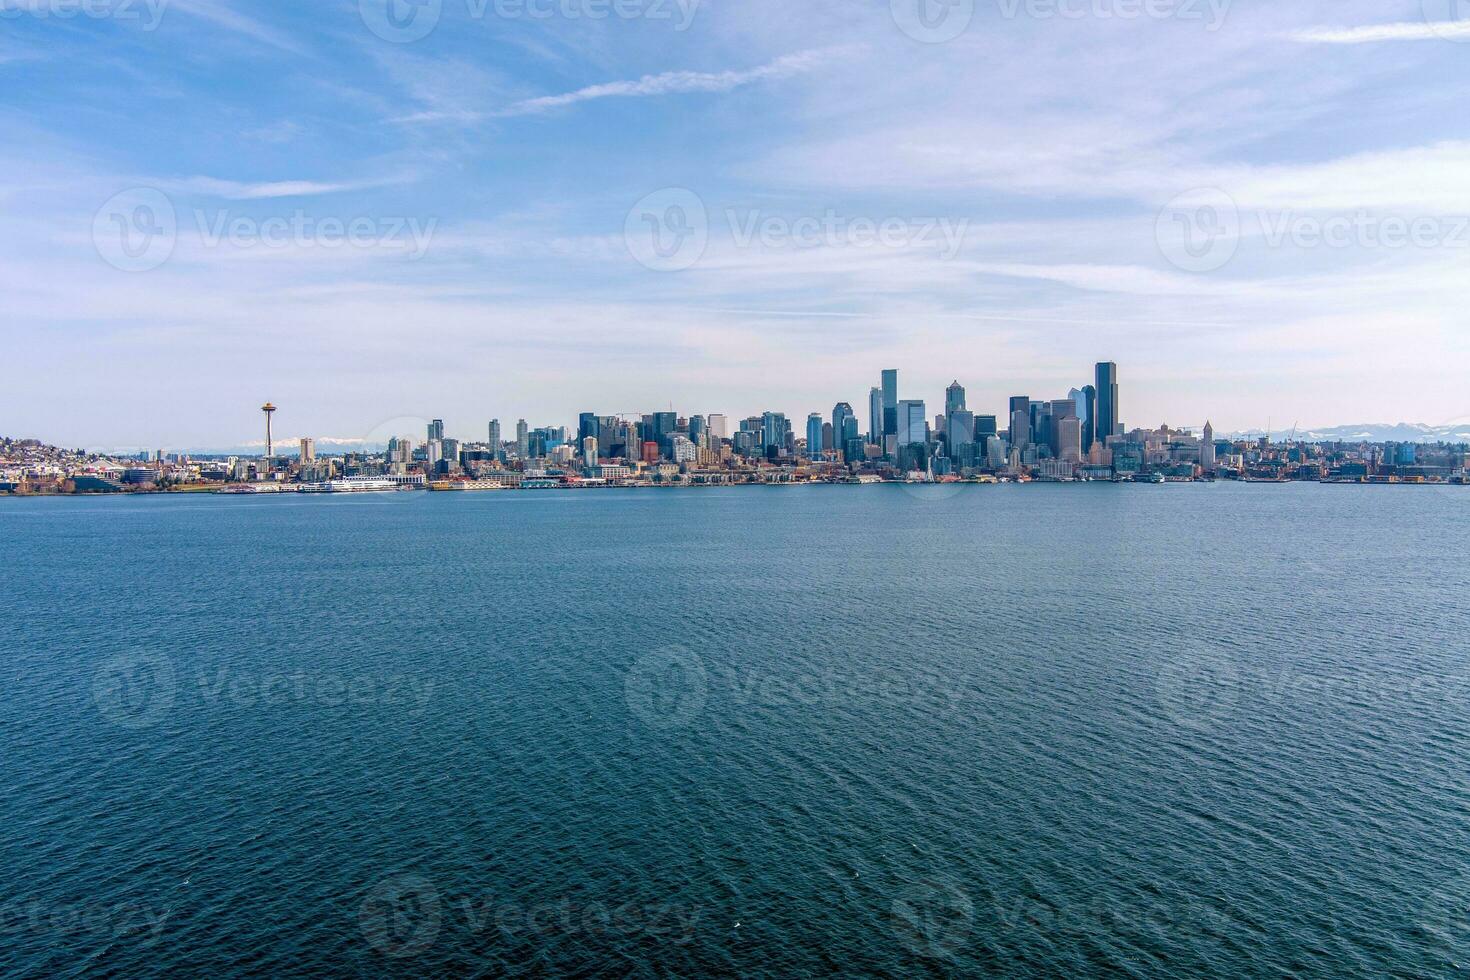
point(1162, 731)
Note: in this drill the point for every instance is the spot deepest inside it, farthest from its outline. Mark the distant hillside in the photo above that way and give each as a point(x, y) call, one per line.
point(1371, 432)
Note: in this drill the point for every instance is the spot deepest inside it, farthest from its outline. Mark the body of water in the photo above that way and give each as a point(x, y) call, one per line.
point(1151, 731)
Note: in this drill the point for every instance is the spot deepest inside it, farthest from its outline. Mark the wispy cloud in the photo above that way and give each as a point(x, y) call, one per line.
point(235, 190)
point(223, 15)
point(1374, 33)
point(676, 82)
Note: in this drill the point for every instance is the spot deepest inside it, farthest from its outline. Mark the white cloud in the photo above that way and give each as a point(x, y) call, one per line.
point(1374, 33)
point(675, 82)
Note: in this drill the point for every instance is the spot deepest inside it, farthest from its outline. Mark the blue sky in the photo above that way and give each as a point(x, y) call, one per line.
point(1260, 210)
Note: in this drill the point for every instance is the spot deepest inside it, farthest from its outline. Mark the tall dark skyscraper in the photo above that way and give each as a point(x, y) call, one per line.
point(875, 416)
point(1089, 423)
point(1020, 421)
point(1107, 400)
point(589, 426)
point(890, 402)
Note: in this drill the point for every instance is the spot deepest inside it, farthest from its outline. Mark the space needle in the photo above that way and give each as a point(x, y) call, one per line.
point(269, 410)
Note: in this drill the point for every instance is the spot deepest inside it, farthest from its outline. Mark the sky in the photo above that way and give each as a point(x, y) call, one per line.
point(368, 211)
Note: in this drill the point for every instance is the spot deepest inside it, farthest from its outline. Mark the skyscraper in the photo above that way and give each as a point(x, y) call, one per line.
point(841, 412)
point(1107, 401)
point(890, 402)
point(1020, 421)
point(875, 416)
point(954, 399)
point(523, 439)
point(436, 430)
point(494, 438)
point(1207, 448)
point(719, 428)
point(589, 426)
point(308, 450)
point(814, 435)
point(913, 425)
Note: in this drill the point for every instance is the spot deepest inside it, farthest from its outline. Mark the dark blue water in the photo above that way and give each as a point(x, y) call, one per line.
point(1157, 731)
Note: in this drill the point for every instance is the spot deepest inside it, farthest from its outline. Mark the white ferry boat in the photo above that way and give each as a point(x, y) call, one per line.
point(354, 484)
point(251, 488)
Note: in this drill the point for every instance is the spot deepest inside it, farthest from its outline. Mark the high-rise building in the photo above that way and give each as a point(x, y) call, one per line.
point(913, 423)
point(1207, 448)
point(1069, 439)
point(841, 412)
point(814, 435)
point(773, 429)
point(523, 439)
point(436, 430)
point(1106, 384)
point(698, 430)
point(589, 426)
point(875, 416)
point(308, 450)
point(494, 438)
point(1020, 421)
point(665, 424)
point(719, 428)
point(890, 402)
point(954, 399)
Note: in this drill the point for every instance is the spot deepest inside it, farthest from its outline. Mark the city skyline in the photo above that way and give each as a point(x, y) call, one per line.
point(827, 191)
